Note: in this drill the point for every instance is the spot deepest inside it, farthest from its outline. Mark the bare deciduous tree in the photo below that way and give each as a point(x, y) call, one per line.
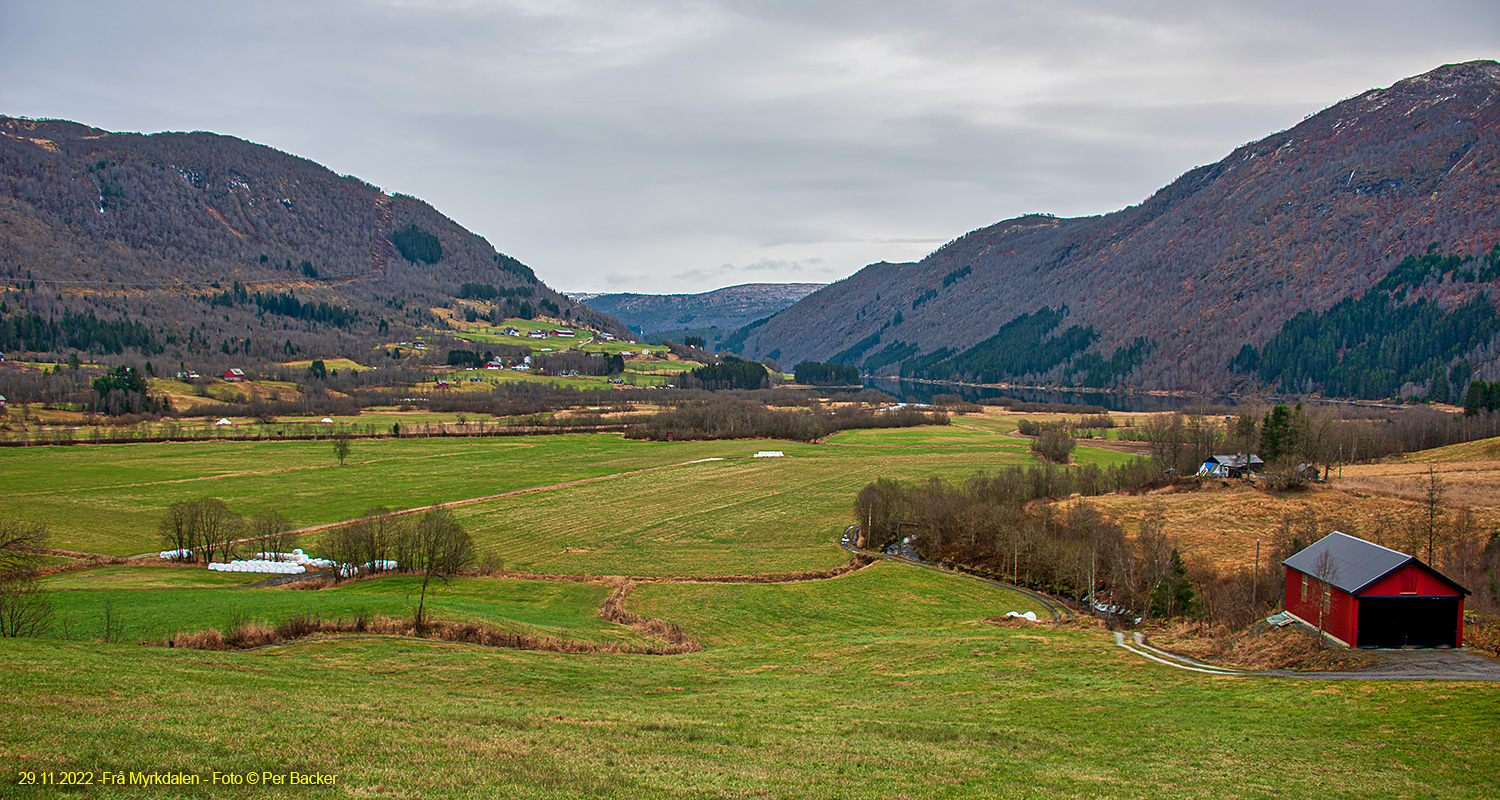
point(1326, 570)
point(442, 548)
point(176, 528)
point(341, 446)
point(1432, 498)
point(25, 610)
point(271, 531)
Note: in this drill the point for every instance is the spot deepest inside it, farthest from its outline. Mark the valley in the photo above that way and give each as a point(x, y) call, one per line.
point(886, 678)
point(299, 476)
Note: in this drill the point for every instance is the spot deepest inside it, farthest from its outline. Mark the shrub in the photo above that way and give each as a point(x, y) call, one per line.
point(1054, 446)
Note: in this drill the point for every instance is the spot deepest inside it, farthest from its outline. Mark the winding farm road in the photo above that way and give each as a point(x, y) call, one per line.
point(1398, 665)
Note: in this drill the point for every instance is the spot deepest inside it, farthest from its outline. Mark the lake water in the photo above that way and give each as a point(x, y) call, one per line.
point(1114, 401)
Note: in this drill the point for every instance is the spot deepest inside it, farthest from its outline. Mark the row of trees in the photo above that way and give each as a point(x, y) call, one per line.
point(985, 523)
point(432, 544)
point(731, 417)
point(205, 529)
point(817, 373)
point(731, 373)
point(1288, 435)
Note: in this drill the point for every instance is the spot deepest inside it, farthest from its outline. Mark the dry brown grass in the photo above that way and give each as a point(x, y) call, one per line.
point(614, 610)
point(1482, 635)
point(1260, 647)
point(1472, 484)
point(1219, 523)
point(254, 634)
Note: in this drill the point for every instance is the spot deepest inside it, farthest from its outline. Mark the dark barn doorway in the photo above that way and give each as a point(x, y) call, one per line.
point(1408, 621)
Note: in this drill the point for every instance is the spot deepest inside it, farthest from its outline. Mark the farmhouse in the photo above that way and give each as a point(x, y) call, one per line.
point(1373, 596)
point(1235, 466)
point(234, 374)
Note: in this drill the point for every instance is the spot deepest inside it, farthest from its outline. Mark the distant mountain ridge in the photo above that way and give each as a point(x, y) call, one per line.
point(1165, 294)
point(219, 247)
point(729, 307)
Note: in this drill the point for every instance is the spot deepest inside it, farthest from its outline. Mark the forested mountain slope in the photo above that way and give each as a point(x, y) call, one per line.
point(1166, 294)
point(212, 247)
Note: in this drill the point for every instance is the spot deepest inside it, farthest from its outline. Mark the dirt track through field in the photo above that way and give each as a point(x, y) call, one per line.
point(468, 500)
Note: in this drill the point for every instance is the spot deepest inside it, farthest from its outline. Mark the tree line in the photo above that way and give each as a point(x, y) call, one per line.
point(817, 373)
point(83, 332)
point(730, 373)
point(987, 524)
point(727, 417)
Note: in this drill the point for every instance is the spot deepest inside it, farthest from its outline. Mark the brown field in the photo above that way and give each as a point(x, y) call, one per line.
point(1219, 523)
point(1474, 485)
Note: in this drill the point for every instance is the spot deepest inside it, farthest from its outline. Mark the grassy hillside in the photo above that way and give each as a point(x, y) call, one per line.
point(881, 684)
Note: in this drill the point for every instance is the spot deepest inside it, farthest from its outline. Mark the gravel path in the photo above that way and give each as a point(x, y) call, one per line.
point(1399, 665)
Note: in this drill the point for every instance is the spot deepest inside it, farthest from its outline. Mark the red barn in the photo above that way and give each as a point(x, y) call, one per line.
point(234, 374)
point(1373, 596)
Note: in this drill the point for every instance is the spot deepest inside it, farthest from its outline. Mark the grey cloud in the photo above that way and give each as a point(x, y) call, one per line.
point(632, 144)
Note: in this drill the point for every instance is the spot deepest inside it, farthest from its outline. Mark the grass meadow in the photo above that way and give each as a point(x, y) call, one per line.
point(886, 682)
point(109, 499)
point(157, 603)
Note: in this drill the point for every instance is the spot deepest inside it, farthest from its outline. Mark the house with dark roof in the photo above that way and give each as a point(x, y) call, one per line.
point(1365, 595)
point(1235, 466)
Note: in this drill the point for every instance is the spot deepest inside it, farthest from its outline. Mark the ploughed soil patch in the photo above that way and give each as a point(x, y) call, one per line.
point(1260, 647)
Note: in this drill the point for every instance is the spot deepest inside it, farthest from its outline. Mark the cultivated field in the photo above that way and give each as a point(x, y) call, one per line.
point(884, 682)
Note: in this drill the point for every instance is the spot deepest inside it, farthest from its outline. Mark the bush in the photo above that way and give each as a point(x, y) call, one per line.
point(1055, 446)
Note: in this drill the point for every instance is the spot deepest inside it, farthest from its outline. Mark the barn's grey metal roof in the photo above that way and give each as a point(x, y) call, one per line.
point(1352, 563)
point(1237, 460)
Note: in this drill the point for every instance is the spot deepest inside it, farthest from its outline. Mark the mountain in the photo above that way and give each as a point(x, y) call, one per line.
point(1188, 289)
point(210, 249)
point(727, 308)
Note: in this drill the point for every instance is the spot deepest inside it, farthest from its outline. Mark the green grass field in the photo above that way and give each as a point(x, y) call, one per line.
point(764, 515)
point(745, 516)
point(885, 683)
point(109, 499)
point(148, 612)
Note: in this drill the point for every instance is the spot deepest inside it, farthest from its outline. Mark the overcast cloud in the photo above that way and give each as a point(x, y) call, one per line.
point(682, 146)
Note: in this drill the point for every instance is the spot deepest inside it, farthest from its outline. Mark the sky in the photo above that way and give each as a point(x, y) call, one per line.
point(668, 146)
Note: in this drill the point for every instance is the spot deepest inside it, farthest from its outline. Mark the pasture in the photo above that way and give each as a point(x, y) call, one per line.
point(109, 499)
point(884, 683)
point(716, 517)
point(158, 602)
